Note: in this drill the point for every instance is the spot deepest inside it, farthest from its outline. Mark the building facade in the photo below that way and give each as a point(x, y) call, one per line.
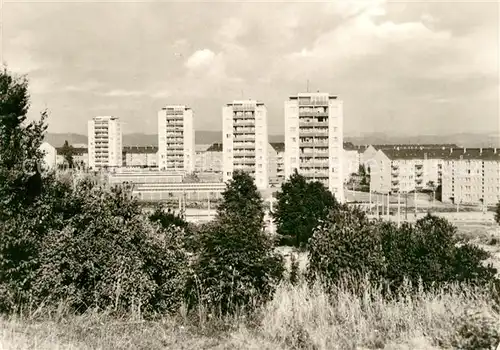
point(105, 142)
point(466, 176)
point(314, 139)
point(472, 176)
point(49, 156)
point(244, 140)
point(176, 139)
point(276, 164)
point(140, 156)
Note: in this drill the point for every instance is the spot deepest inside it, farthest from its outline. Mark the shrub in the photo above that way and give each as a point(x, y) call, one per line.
point(346, 244)
point(428, 252)
point(237, 267)
point(99, 251)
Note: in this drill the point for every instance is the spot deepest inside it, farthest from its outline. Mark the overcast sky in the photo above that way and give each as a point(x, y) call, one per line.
point(405, 68)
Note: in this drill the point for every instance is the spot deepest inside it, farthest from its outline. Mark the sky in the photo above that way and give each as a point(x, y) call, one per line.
point(402, 68)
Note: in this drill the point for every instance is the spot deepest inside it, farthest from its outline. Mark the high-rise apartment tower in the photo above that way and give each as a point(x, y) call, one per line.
point(104, 142)
point(176, 139)
point(314, 139)
point(244, 140)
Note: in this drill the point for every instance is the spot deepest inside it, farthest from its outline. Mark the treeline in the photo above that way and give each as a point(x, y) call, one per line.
point(93, 247)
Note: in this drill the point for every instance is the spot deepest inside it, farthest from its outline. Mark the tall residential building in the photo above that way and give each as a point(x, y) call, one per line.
point(104, 142)
point(244, 140)
point(314, 139)
point(176, 147)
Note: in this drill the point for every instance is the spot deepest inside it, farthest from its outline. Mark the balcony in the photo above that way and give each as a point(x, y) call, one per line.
point(244, 161)
point(244, 116)
point(313, 132)
point(306, 102)
point(244, 109)
point(313, 114)
point(313, 143)
point(312, 123)
point(242, 130)
point(241, 153)
point(244, 145)
point(175, 116)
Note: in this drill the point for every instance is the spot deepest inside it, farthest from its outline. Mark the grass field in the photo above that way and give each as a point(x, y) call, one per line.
point(297, 318)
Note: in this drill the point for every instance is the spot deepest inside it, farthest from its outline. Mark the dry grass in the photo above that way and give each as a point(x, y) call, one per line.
point(297, 318)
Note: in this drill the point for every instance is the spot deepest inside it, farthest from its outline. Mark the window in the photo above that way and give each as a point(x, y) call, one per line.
point(294, 139)
point(228, 173)
point(228, 135)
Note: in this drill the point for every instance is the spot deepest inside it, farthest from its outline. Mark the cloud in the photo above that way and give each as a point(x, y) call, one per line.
point(378, 56)
point(200, 59)
point(124, 93)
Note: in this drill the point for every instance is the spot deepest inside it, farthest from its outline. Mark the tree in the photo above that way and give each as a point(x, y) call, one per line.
point(67, 151)
point(497, 213)
point(20, 142)
point(300, 207)
point(20, 157)
point(237, 267)
point(191, 177)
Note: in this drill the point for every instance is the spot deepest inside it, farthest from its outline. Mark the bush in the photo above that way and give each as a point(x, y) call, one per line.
point(345, 245)
point(237, 267)
point(428, 252)
point(97, 251)
point(425, 254)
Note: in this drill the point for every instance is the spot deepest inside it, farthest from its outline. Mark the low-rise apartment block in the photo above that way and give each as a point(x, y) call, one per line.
point(140, 156)
point(468, 176)
point(472, 176)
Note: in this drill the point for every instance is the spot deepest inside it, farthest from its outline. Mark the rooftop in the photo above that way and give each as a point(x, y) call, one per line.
point(444, 153)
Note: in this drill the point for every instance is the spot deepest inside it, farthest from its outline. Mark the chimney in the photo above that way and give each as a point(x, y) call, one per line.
point(451, 150)
point(465, 150)
point(495, 150)
point(481, 150)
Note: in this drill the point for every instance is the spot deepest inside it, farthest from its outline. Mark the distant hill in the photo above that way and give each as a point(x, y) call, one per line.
point(210, 137)
point(57, 140)
point(465, 139)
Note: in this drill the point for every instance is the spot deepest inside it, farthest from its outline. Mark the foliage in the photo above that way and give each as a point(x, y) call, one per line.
point(237, 267)
point(301, 206)
point(424, 254)
point(497, 213)
point(67, 151)
point(476, 332)
point(294, 270)
point(119, 261)
point(20, 142)
point(428, 252)
point(169, 220)
point(346, 244)
point(191, 177)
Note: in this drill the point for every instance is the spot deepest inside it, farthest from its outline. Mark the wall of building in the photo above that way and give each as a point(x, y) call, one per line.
point(50, 156)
